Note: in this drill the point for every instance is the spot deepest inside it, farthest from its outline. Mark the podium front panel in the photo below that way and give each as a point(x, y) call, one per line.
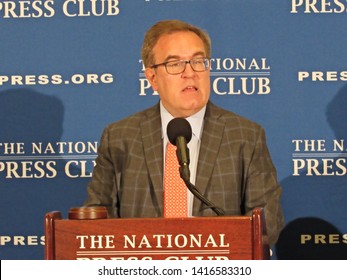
point(201, 238)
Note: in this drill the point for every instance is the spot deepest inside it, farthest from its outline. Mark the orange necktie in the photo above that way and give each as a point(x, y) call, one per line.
point(175, 190)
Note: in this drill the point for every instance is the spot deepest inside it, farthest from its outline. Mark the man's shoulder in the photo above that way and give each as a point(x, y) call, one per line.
point(229, 117)
point(135, 119)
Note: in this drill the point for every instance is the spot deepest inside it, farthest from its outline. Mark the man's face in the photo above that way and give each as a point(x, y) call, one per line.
point(183, 94)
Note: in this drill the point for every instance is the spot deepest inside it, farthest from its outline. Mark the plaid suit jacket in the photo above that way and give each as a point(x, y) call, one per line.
point(235, 170)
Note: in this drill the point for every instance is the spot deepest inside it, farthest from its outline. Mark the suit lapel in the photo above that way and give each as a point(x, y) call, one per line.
point(153, 150)
point(210, 143)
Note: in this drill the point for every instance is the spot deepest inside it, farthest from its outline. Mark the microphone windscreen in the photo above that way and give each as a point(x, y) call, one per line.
point(179, 127)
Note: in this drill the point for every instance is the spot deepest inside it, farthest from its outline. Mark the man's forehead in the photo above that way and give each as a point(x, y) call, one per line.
point(172, 46)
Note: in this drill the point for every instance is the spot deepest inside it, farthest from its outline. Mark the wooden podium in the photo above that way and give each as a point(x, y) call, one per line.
point(88, 234)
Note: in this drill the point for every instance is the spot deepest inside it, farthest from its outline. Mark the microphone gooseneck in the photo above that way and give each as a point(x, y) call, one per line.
point(179, 133)
point(219, 211)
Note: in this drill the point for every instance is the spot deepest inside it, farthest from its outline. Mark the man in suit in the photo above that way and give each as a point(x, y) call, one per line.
point(230, 163)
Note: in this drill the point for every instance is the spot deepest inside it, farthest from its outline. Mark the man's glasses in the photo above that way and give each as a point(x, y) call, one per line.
point(175, 67)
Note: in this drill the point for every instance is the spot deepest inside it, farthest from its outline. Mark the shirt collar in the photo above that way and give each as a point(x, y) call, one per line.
point(195, 121)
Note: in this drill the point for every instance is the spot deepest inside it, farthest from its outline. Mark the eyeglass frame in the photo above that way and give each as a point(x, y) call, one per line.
point(205, 60)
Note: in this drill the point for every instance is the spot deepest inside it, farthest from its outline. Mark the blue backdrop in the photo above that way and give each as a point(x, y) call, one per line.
point(68, 68)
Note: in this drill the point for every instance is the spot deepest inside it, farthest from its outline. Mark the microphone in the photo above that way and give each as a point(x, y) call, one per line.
point(179, 133)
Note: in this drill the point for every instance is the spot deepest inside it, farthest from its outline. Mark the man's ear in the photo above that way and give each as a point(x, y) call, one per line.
point(151, 76)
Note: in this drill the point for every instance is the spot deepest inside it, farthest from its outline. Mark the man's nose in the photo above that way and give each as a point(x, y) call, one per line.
point(188, 71)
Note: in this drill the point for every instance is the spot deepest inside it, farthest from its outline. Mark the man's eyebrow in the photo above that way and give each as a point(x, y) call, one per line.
point(177, 57)
point(199, 53)
point(169, 57)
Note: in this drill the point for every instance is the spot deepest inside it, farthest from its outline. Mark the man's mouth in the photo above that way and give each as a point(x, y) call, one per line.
point(190, 89)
